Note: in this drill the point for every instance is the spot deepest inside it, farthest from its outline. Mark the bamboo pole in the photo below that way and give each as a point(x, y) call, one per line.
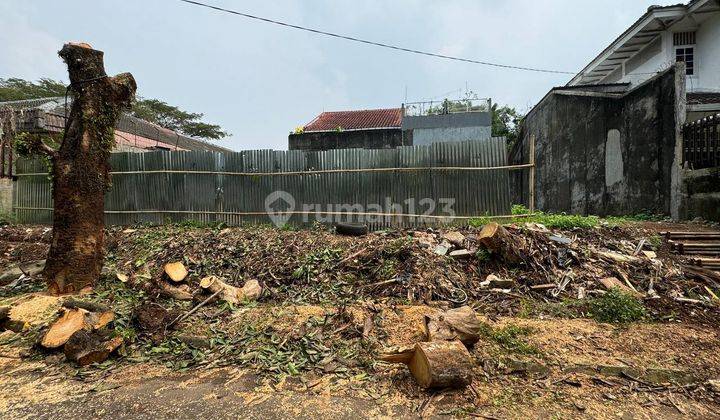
point(531, 176)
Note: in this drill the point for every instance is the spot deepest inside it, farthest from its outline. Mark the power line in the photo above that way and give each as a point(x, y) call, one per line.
point(377, 44)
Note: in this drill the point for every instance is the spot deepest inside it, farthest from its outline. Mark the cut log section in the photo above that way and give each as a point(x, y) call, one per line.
point(231, 294)
point(436, 364)
point(73, 320)
point(176, 271)
point(87, 347)
point(456, 324)
point(498, 240)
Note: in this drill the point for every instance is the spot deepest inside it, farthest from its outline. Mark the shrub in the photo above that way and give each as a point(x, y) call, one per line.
point(617, 307)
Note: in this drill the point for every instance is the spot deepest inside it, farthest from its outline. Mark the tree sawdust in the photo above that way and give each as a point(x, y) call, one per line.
point(35, 309)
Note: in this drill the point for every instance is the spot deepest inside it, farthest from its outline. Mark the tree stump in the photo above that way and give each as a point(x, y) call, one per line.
point(80, 169)
point(499, 241)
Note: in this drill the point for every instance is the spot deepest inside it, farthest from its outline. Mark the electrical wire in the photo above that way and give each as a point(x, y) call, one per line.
point(377, 44)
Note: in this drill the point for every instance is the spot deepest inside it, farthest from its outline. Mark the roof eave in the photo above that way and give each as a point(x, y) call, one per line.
point(645, 20)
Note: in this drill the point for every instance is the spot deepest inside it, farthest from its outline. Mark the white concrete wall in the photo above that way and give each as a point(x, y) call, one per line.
point(707, 52)
point(707, 59)
point(423, 136)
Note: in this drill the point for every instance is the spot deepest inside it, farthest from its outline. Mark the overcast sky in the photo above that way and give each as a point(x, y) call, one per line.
point(259, 81)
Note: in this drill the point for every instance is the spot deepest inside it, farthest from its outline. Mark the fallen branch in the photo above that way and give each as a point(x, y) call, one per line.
point(231, 294)
point(193, 310)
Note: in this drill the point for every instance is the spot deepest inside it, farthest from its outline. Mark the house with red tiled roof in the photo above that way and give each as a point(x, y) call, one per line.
point(412, 124)
point(363, 129)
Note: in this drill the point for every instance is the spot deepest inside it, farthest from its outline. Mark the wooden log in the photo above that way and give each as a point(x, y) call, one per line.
point(178, 293)
point(87, 347)
point(83, 304)
point(401, 354)
point(456, 324)
point(498, 240)
point(435, 364)
point(175, 271)
point(72, 321)
point(4, 313)
point(441, 364)
point(617, 257)
point(250, 291)
point(76, 318)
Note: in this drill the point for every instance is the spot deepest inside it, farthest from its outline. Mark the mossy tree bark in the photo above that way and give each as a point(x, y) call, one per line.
point(80, 169)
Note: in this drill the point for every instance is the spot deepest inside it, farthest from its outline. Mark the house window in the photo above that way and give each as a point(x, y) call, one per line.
point(684, 43)
point(687, 55)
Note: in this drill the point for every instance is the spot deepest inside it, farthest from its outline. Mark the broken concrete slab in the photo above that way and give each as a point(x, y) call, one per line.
point(441, 250)
point(560, 239)
point(461, 254)
point(455, 238)
point(496, 282)
point(654, 376)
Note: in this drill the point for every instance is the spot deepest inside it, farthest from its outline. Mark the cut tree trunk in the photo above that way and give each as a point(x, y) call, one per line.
point(72, 321)
point(80, 170)
point(435, 364)
point(499, 241)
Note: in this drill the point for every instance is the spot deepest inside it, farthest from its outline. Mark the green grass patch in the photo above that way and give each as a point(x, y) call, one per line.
point(616, 307)
point(567, 308)
point(562, 220)
point(551, 221)
point(511, 337)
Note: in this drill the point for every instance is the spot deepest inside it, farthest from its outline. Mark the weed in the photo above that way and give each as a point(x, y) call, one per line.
point(639, 217)
point(511, 338)
point(7, 219)
point(552, 221)
point(616, 306)
point(655, 241)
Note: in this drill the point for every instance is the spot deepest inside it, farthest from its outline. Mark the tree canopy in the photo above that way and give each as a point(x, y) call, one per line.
point(506, 123)
point(153, 110)
point(14, 89)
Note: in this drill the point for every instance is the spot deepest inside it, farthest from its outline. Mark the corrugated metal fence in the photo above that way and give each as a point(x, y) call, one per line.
point(404, 186)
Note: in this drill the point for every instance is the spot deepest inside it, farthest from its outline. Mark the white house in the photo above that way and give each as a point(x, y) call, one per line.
point(663, 35)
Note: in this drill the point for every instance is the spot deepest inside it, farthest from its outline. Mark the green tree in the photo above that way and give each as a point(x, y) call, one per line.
point(506, 123)
point(153, 110)
point(173, 118)
point(14, 89)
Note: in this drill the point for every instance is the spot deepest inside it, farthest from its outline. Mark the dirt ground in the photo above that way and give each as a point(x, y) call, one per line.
point(305, 349)
point(46, 389)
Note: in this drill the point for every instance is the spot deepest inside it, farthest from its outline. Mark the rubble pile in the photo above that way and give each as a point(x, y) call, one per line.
point(495, 267)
